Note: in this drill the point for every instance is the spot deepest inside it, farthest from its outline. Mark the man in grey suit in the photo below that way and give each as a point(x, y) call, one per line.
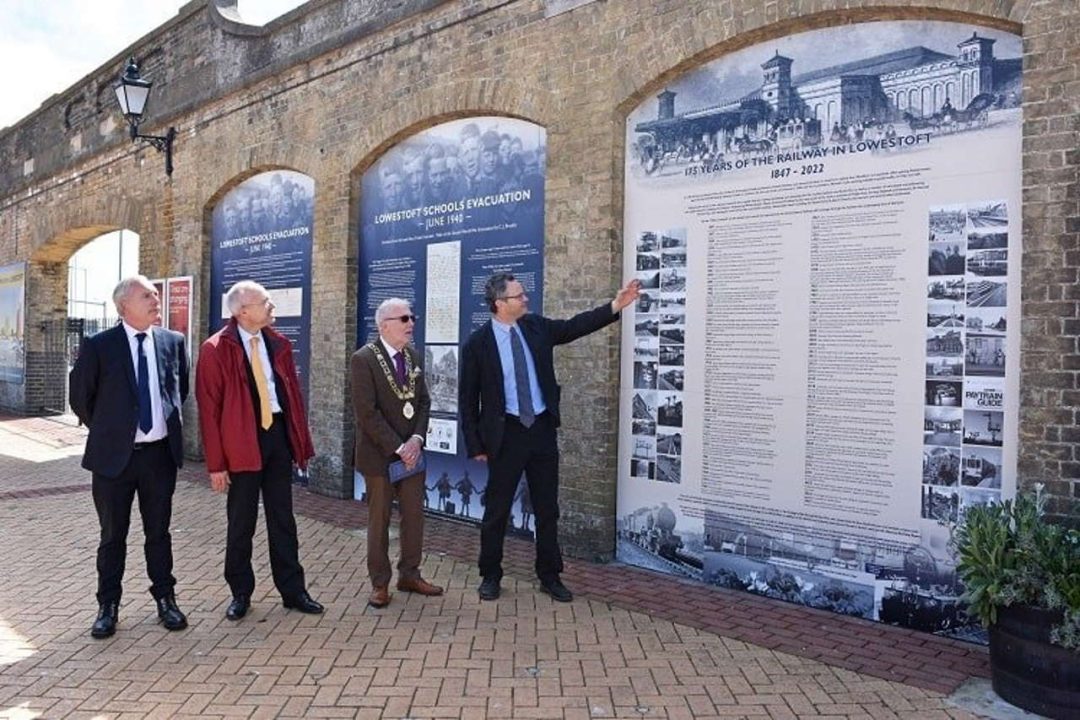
point(127, 387)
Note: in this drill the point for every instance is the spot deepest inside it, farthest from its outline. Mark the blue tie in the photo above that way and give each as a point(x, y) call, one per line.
point(521, 379)
point(146, 418)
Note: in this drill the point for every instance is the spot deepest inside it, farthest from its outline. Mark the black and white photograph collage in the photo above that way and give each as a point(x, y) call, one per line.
point(659, 356)
point(963, 421)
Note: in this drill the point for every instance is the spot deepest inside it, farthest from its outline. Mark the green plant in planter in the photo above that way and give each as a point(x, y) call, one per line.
point(1008, 554)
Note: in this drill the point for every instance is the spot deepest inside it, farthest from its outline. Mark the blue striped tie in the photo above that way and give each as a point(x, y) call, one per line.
point(526, 413)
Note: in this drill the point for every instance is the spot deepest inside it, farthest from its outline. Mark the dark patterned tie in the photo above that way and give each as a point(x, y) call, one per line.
point(146, 418)
point(399, 366)
point(521, 378)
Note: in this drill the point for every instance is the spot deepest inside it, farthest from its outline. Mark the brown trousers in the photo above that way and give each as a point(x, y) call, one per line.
point(380, 497)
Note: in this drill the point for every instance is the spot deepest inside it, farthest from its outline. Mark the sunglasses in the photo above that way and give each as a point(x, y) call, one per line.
point(406, 318)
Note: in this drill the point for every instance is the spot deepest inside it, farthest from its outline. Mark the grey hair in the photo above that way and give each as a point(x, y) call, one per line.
point(124, 287)
point(383, 312)
point(234, 298)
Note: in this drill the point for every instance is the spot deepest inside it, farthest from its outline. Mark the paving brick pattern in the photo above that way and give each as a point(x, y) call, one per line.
point(634, 644)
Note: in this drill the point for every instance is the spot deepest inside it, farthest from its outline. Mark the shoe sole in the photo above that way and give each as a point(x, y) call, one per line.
point(174, 628)
point(378, 606)
point(101, 636)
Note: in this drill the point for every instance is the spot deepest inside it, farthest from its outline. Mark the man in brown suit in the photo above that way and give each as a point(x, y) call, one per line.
point(391, 403)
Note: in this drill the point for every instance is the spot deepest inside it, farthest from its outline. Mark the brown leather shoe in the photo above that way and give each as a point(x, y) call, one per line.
point(380, 597)
point(420, 586)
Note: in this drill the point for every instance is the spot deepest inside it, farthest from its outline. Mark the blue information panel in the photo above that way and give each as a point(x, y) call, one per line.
point(440, 213)
point(261, 231)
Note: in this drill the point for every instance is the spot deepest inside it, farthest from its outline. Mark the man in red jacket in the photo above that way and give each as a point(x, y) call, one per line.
point(251, 414)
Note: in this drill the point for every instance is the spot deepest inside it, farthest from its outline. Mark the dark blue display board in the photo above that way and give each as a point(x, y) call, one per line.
point(262, 231)
point(441, 212)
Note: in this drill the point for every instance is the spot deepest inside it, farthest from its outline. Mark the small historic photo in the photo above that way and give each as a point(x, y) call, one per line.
point(642, 469)
point(947, 223)
point(987, 240)
point(941, 342)
point(672, 318)
point(647, 327)
point(983, 427)
point(650, 279)
point(672, 336)
point(982, 467)
point(992, 215)
point(672, 355)
point(946, 289)
point(670, 302)
point(669, 443)
point(648, 242)
point(645, 375)
point(648, 261)
point(647, 302)
point(643, 427)
point(988, 263)
point(644, 448)
point(945, 366)
point(940, 466)
point(986, 321)
point(646, 348)
point(668, 469)
point(670, 408)
point(944, 314)
point(984, 355)
point(673, 238)
point(441, 373)
point(986, 293)
point(941, 426)
point(944, 393)
point(673, 280)
point(940, 504)
point(670, 378)
point(946, 258)
point(984, 393)
point(974, 497)
point(644, 406)
point(674, 258)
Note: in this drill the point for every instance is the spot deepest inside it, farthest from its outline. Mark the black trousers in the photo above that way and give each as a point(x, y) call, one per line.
point(151, 475)
point(274, 481)
point(534, 451)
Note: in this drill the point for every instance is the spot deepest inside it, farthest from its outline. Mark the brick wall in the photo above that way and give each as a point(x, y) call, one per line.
point(326, 89)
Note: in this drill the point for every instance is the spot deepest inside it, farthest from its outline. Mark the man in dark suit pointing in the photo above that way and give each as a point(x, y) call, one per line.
point(510, 414)
point(127, 387)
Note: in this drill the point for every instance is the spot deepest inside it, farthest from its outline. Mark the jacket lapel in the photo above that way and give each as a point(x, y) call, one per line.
point(493, 361)
point(124, 348)
point(160, 338)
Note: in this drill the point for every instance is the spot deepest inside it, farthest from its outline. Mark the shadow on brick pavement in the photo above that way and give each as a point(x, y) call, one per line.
point(633, 644)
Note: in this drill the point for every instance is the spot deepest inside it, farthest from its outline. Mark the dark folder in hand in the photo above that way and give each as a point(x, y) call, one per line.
point(398, 472)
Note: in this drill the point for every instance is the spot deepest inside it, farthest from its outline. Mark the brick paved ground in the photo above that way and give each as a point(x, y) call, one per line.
point(634, 644)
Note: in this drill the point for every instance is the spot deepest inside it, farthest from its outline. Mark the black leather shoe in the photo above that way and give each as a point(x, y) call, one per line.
point(105, 625)
point(238, 608)
point(489, 589)
point(304, 603)
point(556, 590)
point(170, 615)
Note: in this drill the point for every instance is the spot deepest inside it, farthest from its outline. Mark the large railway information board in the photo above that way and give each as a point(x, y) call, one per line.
point(823, 372)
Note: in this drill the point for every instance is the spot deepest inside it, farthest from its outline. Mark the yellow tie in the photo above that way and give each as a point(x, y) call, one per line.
point(260, 385)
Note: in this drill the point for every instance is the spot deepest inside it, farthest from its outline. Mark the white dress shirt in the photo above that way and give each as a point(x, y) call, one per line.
point(264, 358)
point(159, 429)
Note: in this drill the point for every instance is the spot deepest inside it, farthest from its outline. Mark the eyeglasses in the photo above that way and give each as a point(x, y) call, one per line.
point(265, 302)
point(406, 318)
point(513, 297)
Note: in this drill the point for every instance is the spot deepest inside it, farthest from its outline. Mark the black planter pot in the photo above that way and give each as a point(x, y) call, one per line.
point(1030, 672)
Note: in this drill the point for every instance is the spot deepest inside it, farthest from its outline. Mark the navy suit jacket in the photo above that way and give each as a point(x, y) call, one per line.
point(103, 394)
point(482, 398)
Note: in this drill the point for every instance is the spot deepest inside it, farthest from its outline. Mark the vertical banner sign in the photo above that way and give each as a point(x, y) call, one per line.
point(262, 231)
point(823, 372)
point(440, 213)
point(179, 303)
point(12, 315)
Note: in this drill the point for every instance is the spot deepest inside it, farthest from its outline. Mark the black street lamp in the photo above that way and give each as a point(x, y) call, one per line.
point(132, 92)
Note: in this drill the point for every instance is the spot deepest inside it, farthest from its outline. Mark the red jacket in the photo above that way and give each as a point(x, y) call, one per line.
point(227, 410)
